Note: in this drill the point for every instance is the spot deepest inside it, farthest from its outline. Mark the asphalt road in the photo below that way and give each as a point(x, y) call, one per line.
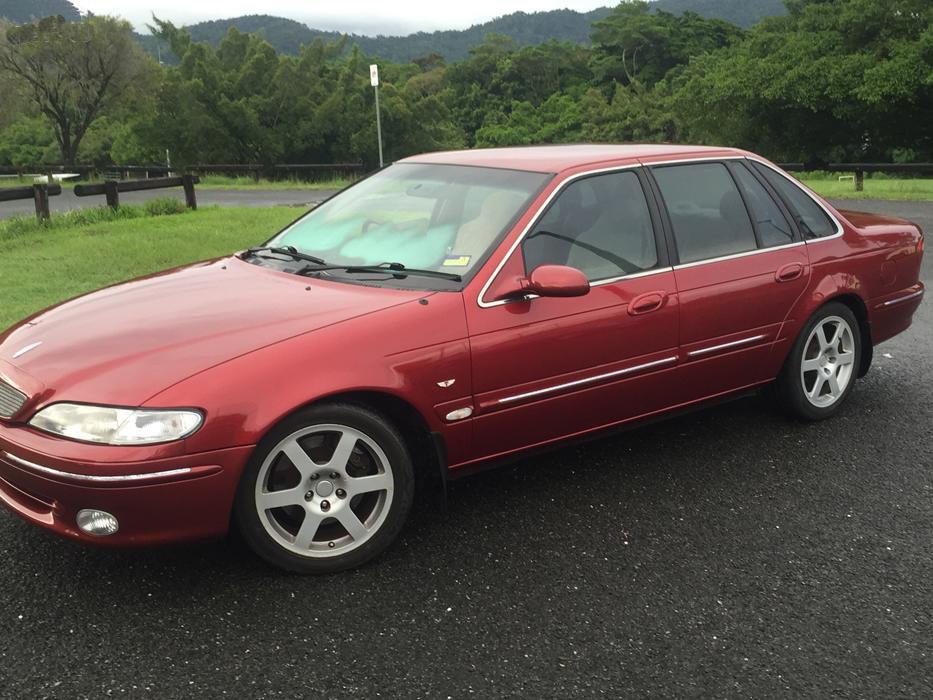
point(729, 553)
point(67, 201)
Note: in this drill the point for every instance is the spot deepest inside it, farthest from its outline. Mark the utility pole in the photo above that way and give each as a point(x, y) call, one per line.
point(374, 81)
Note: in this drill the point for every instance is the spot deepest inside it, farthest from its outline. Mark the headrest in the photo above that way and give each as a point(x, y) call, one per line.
point(733, 209)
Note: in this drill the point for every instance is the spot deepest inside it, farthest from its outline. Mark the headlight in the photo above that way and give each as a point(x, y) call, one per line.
point(116, 426)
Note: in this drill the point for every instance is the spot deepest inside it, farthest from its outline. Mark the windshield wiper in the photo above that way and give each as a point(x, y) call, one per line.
point(289, 250)
point(397, 270)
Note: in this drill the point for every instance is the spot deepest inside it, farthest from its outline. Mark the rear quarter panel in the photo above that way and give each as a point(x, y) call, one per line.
point(872, 260)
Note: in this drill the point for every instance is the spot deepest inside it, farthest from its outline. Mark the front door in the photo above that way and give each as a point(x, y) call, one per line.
point(549, 368)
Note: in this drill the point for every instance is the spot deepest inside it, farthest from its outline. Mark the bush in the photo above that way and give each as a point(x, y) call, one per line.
point(164, 206)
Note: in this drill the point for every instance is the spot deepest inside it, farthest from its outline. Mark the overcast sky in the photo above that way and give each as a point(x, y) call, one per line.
point(359, 16)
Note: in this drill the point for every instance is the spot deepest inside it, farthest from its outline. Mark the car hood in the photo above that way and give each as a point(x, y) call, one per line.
point(124, 344)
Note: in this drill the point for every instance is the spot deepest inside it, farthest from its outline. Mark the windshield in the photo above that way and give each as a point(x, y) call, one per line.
point(444, 218)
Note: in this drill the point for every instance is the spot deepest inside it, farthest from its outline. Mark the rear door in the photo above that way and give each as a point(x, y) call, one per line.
point(739, 267)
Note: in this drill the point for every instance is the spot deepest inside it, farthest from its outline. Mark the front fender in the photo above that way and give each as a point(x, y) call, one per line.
point(408, 352)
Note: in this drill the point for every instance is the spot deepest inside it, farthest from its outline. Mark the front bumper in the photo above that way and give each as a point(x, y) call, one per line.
point(156, 500)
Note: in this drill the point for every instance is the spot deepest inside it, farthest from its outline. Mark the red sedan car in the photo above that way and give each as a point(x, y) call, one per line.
point(450, 311)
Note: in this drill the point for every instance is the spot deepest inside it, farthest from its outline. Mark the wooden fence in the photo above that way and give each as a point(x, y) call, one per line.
point(112, 188)
point(38, 193)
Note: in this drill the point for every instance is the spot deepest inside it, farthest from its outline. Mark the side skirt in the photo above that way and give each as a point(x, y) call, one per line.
point(495, 462)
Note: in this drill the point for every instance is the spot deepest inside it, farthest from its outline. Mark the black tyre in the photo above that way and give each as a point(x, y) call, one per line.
point(328, 489)
point(823, 364)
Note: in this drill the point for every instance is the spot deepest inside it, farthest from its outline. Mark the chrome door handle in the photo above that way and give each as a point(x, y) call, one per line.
point(646, 303)
point(788, 272)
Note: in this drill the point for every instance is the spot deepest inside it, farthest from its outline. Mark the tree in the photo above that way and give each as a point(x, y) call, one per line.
point(835, 80)
point(634, 113)
point(27, 142)
point(634, 43)
point(72, 71)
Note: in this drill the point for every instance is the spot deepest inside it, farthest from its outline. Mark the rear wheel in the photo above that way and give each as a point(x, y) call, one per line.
point(328, 489)
point(822, 366)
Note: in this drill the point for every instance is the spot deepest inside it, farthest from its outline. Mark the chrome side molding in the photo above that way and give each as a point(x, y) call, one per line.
point(892, 302)
point(724, 346)
point(587, 380)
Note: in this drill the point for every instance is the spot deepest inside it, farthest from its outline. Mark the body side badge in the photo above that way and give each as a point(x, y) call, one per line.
point(447, 383)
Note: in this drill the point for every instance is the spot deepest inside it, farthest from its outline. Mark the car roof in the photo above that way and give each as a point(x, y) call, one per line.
point(554, 159)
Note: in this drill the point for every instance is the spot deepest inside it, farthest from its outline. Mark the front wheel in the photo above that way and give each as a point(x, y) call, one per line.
point(822, 366)
point(328, 489)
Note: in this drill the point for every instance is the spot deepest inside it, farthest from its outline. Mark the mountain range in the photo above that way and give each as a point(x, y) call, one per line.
point(527, 29)
point(21, 11)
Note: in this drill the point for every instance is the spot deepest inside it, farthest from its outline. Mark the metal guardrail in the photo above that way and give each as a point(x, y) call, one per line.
point(39, 193)
point(317, 169)
point(30, 170)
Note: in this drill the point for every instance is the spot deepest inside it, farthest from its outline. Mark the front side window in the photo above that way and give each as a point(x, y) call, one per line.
point(600, 225)
point(443, 218)
point(773, 228)
point(814, 222)
point(707, 212)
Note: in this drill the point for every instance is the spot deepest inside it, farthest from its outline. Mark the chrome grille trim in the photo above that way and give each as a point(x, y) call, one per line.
point(11, 400)
point(13, 459)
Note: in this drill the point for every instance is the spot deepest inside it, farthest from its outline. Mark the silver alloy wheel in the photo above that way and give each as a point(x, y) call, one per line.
point(324, 490)
point(828, 361)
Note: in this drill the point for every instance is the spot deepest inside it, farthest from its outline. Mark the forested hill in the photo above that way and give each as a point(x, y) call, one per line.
point(527, 29)
point(744, 13)
point(19, 11)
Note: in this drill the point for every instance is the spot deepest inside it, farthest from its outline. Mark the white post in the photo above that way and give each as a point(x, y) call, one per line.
point(374, 81)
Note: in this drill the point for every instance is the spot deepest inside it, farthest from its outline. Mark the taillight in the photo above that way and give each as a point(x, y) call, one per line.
point(920, 242)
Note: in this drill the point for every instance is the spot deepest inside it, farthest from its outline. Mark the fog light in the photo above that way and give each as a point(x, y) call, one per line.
point(97, 522)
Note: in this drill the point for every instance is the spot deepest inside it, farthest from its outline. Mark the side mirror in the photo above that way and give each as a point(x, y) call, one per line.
point(550, 281)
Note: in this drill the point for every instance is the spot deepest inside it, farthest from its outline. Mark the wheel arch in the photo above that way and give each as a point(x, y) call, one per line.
point(858, 307)
point(427, 448)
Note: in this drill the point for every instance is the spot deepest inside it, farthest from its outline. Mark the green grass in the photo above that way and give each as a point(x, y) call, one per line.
point(877, 187)
point(44, 264)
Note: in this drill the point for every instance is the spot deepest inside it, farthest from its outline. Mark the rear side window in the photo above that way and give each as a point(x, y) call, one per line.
point(773, 228)
point(813, 221)
point(707, 212)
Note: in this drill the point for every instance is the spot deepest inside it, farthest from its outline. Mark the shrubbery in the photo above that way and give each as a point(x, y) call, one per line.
point(25, 225)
